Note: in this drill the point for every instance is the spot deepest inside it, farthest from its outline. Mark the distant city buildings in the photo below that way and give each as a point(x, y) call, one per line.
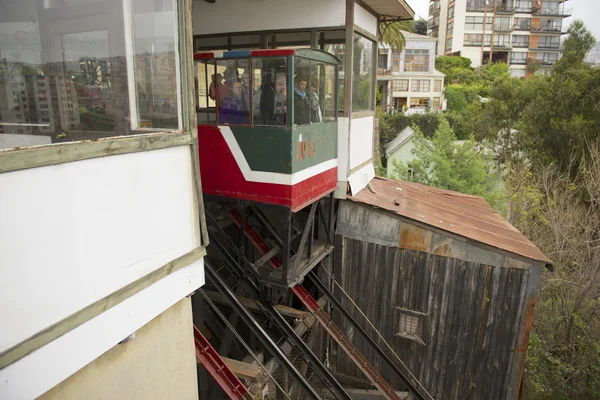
point(525, 34)
point(408, 80)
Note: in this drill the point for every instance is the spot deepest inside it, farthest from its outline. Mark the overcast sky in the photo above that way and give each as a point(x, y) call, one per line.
point(587, 10)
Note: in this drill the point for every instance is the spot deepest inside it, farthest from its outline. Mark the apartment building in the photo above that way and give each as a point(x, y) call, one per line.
point(525, 34)
point(408, 80)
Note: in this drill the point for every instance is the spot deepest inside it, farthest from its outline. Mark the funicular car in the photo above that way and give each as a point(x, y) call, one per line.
point(267, 125)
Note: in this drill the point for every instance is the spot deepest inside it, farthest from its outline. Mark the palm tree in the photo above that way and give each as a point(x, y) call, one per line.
point(390, 33)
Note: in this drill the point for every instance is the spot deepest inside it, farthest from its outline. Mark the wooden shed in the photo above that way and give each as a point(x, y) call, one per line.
point(447, 281)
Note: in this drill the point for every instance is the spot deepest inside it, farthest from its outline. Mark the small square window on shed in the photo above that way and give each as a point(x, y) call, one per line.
point(410, 325)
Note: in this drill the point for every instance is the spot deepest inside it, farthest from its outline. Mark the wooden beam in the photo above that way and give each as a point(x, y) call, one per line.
point(250, 304)
point(243, 370)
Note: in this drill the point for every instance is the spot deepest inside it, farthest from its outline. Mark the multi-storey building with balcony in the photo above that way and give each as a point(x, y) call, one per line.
point(408, 79)
point(525, 34)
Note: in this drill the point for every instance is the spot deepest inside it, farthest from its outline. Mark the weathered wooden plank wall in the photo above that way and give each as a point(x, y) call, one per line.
point(473, 315)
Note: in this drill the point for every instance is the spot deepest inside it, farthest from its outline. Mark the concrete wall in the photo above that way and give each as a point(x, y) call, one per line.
point(361, 141)
point(244, 15)
point(74, 234)
point(159, 363)
point(96, 225)
point(365, 20)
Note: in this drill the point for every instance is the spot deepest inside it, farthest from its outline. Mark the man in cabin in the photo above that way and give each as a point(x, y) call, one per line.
point(301, 102)
point(273, 101)
point(234, 110)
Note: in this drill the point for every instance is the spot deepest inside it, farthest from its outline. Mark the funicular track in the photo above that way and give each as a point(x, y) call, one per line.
point(246, 272)
point(246, 280)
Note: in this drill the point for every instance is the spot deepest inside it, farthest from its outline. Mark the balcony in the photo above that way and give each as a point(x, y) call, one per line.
point(545, 63)
point(546, 47)
point(549, 29)
point(384, 71)
point(524, 10)
point(521, 45)
point(525, 28)
point(477, 8)
point(518, 61)
point(503, 28)
point(503, 46)
point(434, 9)
point(552, 12)
point(505, 10)
point(433, 23)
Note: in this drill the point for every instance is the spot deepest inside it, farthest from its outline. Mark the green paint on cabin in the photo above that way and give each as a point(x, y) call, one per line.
point(313, 144)
point(265, 148)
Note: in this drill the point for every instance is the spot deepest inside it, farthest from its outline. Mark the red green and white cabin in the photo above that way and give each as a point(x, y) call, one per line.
point(258, 141)
point(347, 29)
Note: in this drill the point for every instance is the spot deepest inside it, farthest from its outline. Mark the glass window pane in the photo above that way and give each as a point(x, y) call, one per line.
point(102, 72)
point(316, 91)
point(269, 91)
point(339, 51)
point(233, 92)
point(206, 82)
point(329, 109)
point(301, 100)
point(362, 74)
point(155, 65)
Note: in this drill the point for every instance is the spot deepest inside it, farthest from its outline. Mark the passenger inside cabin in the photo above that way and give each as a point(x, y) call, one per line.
point(301, 102)
point(315, 107)
point(273, 101)
point(233, 109)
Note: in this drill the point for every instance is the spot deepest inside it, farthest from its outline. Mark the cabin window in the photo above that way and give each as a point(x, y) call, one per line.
point(233, 92)
point(330, 107)
point(314, 92)
point(101, 69)
point(206, 82)
point(269, 91)
point(362, 74)
point(410, 324)
point(339, 51)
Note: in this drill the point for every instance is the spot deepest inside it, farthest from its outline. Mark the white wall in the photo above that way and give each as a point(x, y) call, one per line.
point(365, 19)
point(66, 355)
point(74, 233)
point(255, 15)
point(361, 141)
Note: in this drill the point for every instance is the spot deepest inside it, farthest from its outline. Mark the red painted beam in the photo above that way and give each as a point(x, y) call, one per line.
point(212, 361)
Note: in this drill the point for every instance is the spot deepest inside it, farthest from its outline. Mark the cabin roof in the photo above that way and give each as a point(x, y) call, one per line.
point(390, 9)
point(464, 215)
point(314, 54)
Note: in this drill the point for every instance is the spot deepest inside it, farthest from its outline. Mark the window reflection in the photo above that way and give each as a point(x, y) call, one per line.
point(269, 91)
point(86, 72)
point(302, 108)
point(362, 77)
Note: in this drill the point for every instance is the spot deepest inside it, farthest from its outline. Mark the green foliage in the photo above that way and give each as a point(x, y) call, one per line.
point(457, 101)
point(495, 71)
point(453, 166)
point(390, 33)
point(390, 125)
point(575, 47)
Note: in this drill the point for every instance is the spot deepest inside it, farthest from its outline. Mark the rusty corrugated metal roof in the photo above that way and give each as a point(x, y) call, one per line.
point(461, 214)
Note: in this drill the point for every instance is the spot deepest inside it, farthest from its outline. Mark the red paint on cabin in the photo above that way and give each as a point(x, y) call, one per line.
point(222, 176)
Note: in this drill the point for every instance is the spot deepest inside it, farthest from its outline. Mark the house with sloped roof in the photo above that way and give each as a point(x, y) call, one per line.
point(448, 282)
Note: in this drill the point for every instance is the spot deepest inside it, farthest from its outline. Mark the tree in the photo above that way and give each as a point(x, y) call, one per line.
point(421, 26)
point(563, 116)
point(391, 33)
point(575, 47)
point(453, 166)
point(560, 212)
